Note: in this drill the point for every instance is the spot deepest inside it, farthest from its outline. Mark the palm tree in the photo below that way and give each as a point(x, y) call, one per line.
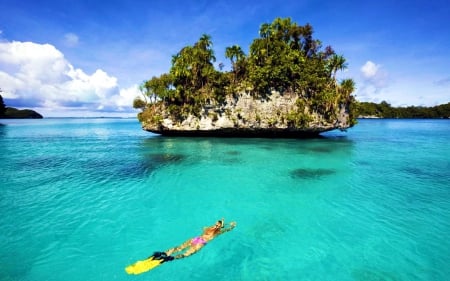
point(204, 42)
point(295, 34)
point(282, 29)
point(235, 54)
point(203, 58)
point(337, 62)
point(205, 46)
point(265, 30)
point(347, 86)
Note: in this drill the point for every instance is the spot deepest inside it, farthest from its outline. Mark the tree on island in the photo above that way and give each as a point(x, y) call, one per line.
point(2, 105)
point(284, 59)
point(237, 59)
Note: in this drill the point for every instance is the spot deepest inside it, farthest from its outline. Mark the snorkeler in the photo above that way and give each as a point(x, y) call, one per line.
point(193, 245)
point(189, 247)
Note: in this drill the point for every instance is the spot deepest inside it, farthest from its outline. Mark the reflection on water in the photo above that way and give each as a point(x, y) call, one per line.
point(165, 158)
point(2, 130)
point(322, 149)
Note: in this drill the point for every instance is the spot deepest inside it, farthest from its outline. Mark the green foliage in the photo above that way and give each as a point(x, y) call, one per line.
point(160, 88)
point(138, 103)
point(298, 119)
point(353, 111)
point(14, 113)
point(385, 110)
point(285, 58)
point(238, 62)
point(151, 115)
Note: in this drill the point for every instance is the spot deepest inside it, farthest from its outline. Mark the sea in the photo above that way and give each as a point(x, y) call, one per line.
point(81, 199)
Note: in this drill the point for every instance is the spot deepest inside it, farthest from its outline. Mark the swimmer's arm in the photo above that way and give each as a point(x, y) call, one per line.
point(232, 225)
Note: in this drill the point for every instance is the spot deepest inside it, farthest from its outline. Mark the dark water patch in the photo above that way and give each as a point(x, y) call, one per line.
point(136, 169)
point(42, 162)
point(233, 152)
point(268, 148)
point(97, 168)
point(363, 163)
point(364, 274)
point(426, 173)
point(414, 171)
point(165, 158)
point(321, 149)
point(129, 168)
point(309, 173)
point(231, 161)
point(231, 157)
point(2, 129)
point(324, 146)
point(148, 164)
point(105, 168)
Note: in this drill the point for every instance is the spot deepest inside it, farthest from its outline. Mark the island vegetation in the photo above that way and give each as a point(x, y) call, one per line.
point(285, 66)
point(385, 110)
point(14, 113)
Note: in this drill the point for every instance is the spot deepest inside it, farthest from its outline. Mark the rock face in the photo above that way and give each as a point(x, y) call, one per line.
point(245, 116)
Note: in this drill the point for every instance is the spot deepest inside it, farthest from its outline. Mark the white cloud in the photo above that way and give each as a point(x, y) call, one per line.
point(38, 76)
point(126, 96)
point(374, 75)
point(374, 83)
point(71, 39)
point(369, 69)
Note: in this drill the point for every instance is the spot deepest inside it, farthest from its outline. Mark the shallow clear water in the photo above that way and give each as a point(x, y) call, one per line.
point(80, 199)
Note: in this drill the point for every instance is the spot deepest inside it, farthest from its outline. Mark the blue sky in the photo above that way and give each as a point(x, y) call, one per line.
point(86, 58)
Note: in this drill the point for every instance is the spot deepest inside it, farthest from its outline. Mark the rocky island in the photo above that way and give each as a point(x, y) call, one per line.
point(285, 87)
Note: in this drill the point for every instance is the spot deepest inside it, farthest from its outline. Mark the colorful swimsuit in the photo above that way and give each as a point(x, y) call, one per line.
point(198, 241)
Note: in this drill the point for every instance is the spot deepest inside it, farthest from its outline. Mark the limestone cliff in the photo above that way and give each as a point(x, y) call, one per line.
point(243, 115)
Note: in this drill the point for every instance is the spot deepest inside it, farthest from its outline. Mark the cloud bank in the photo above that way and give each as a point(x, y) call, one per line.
point(38, 76)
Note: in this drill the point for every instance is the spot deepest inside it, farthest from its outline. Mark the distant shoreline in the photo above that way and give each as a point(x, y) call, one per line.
point(370, 110)
point(403, 118)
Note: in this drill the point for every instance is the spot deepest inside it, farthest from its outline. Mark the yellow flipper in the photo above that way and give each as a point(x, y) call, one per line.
point(143, 266)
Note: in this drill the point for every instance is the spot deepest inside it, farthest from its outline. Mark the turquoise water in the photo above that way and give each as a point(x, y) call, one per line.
point(80, 199)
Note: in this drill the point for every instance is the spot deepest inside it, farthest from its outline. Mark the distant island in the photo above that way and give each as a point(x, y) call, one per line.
point(285, 86)
point(385, 110)
point(14, 113)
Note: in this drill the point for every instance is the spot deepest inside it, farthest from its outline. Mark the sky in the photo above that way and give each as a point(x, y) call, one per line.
point(79, 58)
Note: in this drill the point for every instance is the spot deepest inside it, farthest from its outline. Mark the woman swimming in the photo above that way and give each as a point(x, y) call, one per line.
point(189, 247)
point(193, 245)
